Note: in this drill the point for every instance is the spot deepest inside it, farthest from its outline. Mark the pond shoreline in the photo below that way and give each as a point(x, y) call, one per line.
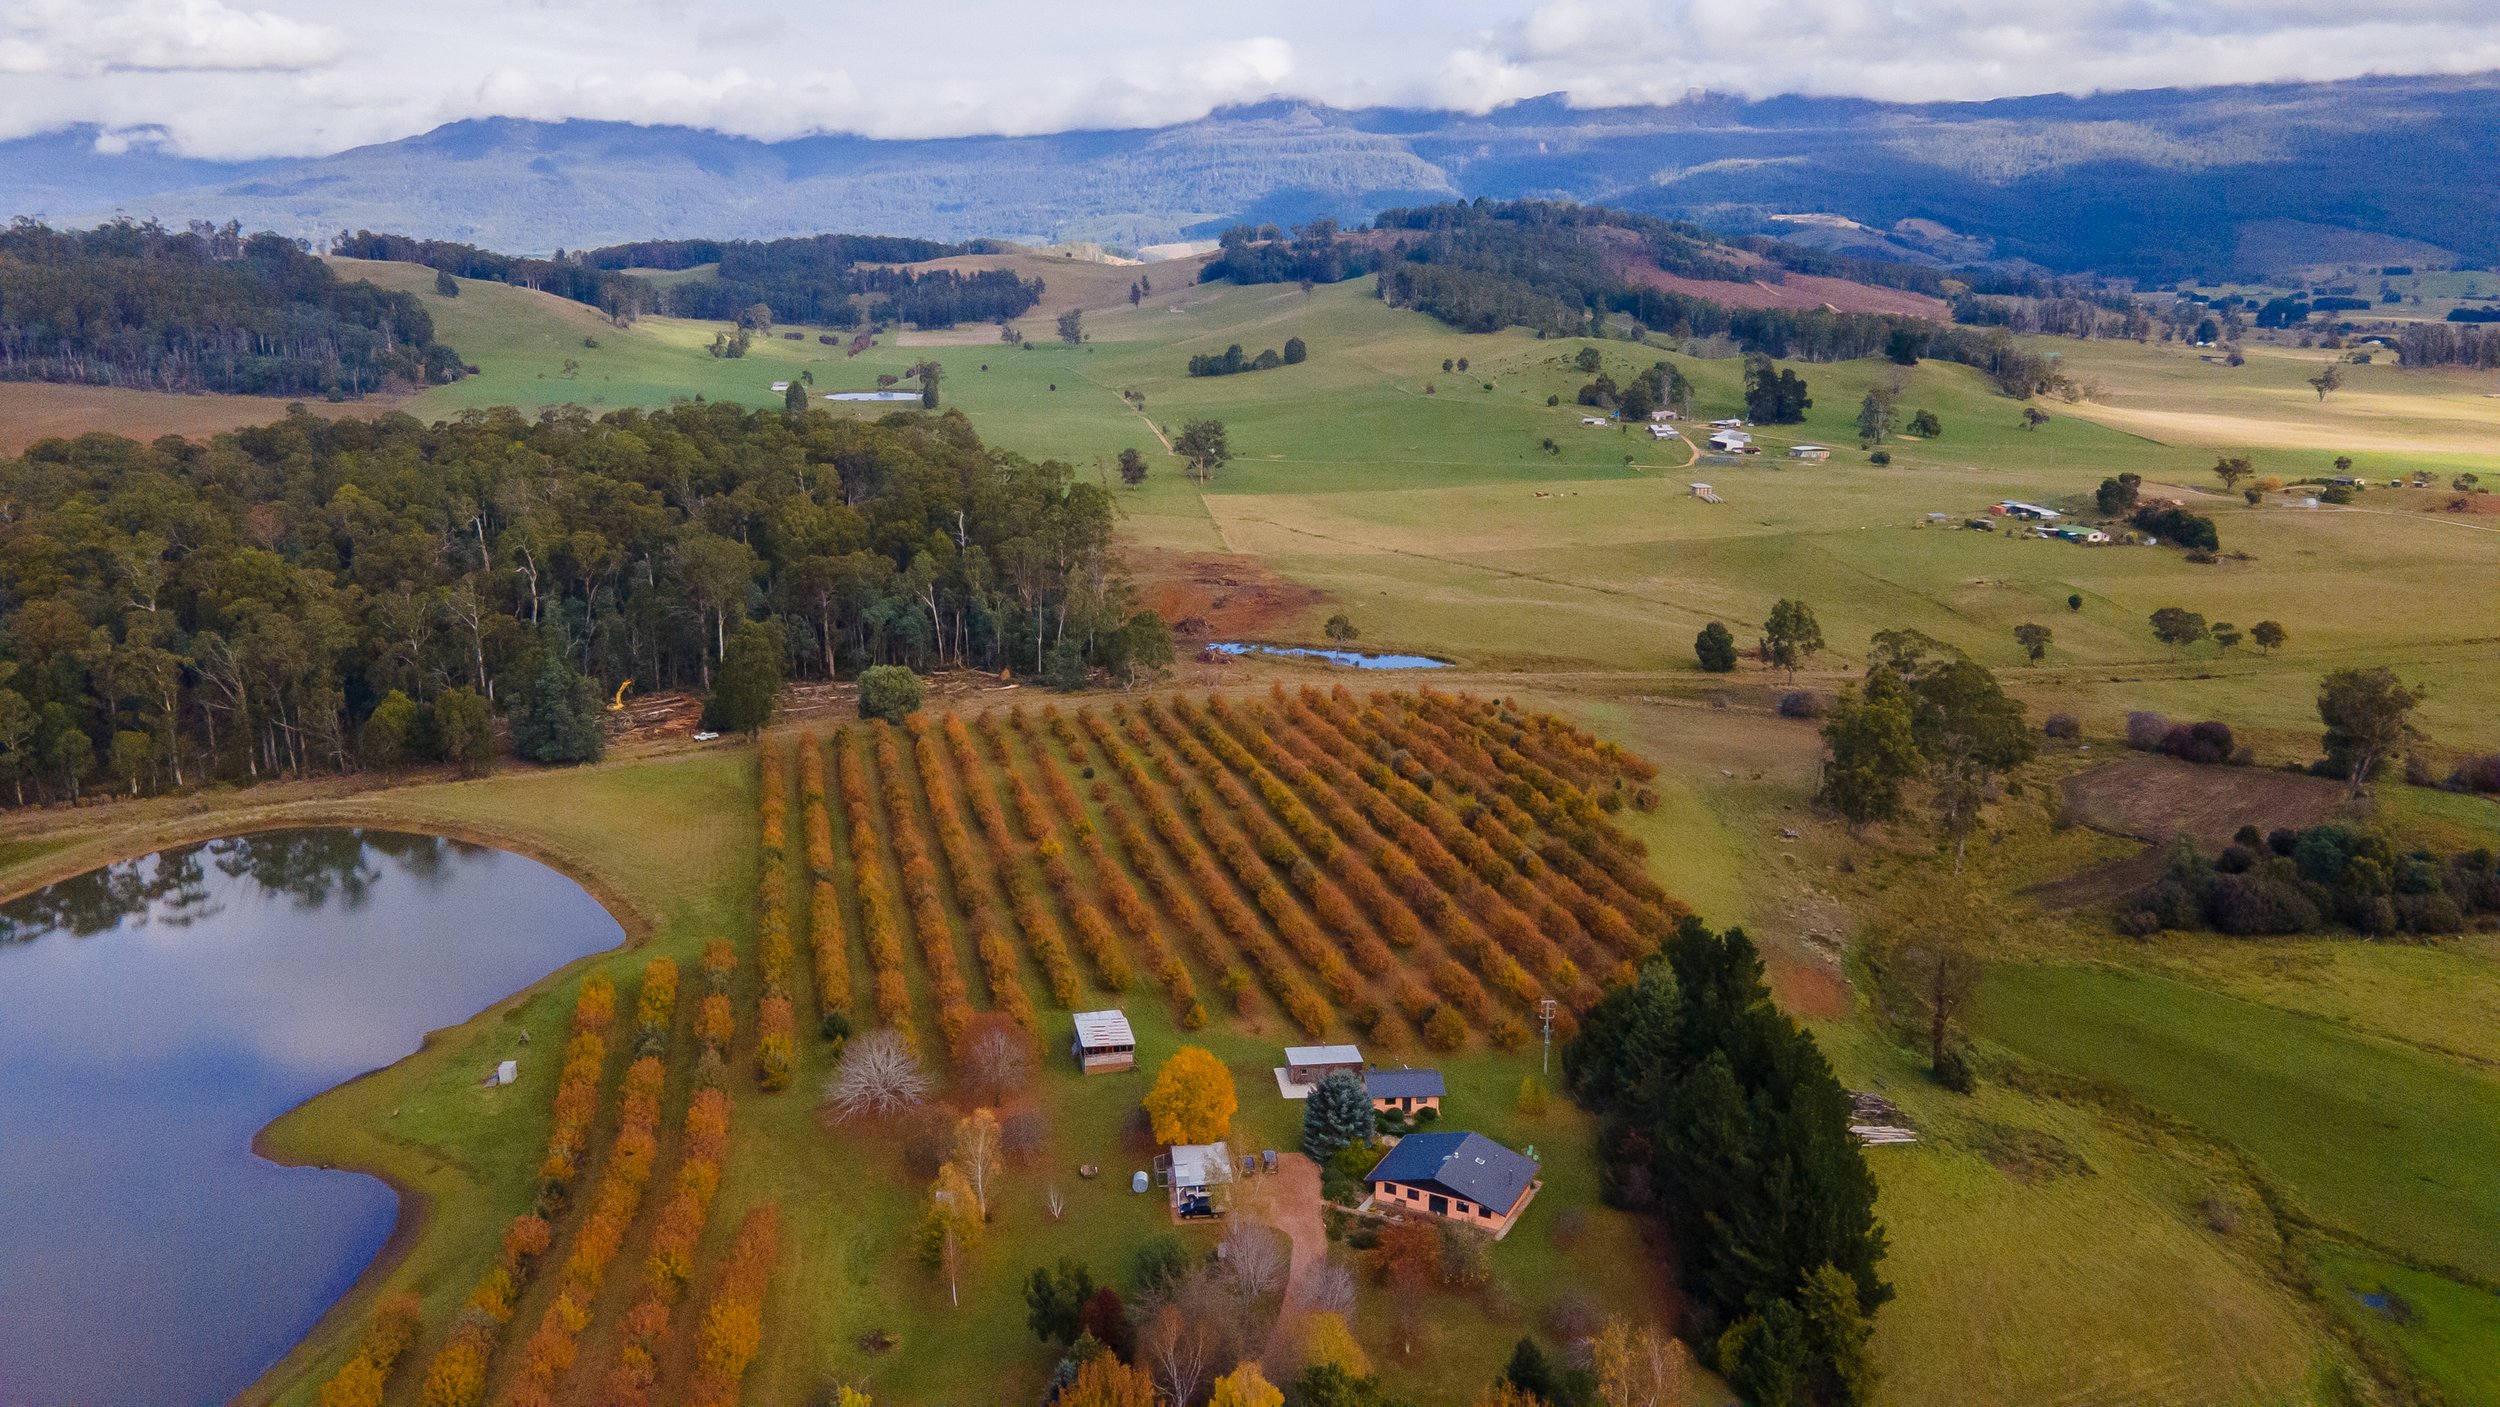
point(415, 1209)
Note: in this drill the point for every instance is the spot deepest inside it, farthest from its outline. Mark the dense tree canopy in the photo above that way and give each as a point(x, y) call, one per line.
point(1555, 267)
point(830, 280)
point(245, 603)
point(205, 309)
point(1721, 1114)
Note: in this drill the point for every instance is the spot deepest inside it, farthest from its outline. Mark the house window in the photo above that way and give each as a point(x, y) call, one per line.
point(1440, 1205)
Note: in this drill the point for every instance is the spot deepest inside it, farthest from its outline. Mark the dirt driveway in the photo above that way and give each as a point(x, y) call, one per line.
point(1292, 1195)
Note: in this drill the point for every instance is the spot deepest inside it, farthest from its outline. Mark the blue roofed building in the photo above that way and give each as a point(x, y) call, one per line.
point(1463, 1177)
point(1403, 1090)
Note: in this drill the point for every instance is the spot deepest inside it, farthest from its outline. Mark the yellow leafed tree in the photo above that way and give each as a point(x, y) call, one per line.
point(1245, 1386)
point(1192, 1100)
point(1326, 1339)
point(1637, 1366)
point(1105, 1381)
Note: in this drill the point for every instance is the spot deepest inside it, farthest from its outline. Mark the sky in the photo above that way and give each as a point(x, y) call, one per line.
point(235, 78)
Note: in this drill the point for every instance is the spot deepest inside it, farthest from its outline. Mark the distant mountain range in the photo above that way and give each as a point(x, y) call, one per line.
point(2160, 185)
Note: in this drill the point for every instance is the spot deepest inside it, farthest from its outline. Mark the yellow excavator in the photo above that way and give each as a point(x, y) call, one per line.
point(617, 704)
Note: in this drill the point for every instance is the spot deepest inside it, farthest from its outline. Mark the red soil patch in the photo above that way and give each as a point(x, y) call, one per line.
point(1804, 987)
point(2155, 798)
point(1790, 290)
point(37, 410)
point(1211, 596)
point(1799, 291)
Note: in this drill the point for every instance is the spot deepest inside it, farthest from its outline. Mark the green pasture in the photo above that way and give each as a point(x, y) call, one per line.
point(2444, 1329)
point(2043, 1254)
point(2377, 1140)
point(1431, 510)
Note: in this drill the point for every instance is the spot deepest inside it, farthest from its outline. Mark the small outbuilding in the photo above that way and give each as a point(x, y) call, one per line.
point(1103, 1042)
point(1310, 1064)
point(1462, 1177)
point(1731, 441)
point(507, 1072)
point(1809, 451)
point(1404, 1090)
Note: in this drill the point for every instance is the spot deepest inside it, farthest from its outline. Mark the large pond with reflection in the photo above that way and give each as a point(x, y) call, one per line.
point(154, 1015)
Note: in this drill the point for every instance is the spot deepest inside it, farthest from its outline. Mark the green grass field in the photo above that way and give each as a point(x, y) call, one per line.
point(2373, 1139)
point(1429, 509)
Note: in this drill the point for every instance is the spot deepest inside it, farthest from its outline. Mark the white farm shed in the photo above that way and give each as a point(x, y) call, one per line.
point(1103, 1042)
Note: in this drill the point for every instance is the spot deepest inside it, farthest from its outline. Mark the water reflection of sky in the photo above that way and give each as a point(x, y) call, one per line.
point(153, 1016)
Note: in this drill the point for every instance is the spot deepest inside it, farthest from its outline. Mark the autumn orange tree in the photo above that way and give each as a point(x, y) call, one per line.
point(868, 880)
point(1193, 1099)
point(361, 1380)
point(732, 1328)
point(999, 963)
point(1041, 934)
point(828, 942)
point(1105, 1381)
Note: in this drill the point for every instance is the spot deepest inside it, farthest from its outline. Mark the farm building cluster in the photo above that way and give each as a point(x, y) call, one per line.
point(1458, 1176)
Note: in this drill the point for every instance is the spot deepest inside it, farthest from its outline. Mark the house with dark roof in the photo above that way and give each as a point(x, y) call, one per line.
point(1463, 1177)
point(1404, 1090)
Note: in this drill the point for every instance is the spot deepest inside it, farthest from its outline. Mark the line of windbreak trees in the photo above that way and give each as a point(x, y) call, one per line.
point(1554, 268)
point(203, 309)
point(827, 280)
point(241, 608)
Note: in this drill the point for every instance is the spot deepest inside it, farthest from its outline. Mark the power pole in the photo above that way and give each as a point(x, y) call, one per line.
point(1545, 1018)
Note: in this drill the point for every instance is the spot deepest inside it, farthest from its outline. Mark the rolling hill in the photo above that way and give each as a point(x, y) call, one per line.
point(2159, 184)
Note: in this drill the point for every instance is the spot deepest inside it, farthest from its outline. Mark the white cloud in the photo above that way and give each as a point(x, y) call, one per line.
point(96, 37)
point(1951, 50)
point(301, 76)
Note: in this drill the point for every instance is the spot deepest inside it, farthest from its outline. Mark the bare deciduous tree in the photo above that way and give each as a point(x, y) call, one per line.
point(879, 1075)
point(1332, 1289)
point(1256, 1258)
point(1179, 1348)
point(997, 1064)
point(977, 1154)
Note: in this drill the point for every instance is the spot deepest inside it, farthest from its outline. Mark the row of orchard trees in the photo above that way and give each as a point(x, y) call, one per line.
point(318, 595)
point(589, 1226)
point(1428, 866)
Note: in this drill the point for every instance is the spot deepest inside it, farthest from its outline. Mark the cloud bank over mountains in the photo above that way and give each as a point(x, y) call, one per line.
point(209, 78)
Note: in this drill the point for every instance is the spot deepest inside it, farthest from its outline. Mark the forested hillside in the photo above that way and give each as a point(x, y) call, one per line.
point(240, 607)
point(203, 309)
point(1557, 268)
point(828, 280)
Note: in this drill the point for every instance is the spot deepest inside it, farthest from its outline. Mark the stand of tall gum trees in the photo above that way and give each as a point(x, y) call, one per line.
point(179, 611)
